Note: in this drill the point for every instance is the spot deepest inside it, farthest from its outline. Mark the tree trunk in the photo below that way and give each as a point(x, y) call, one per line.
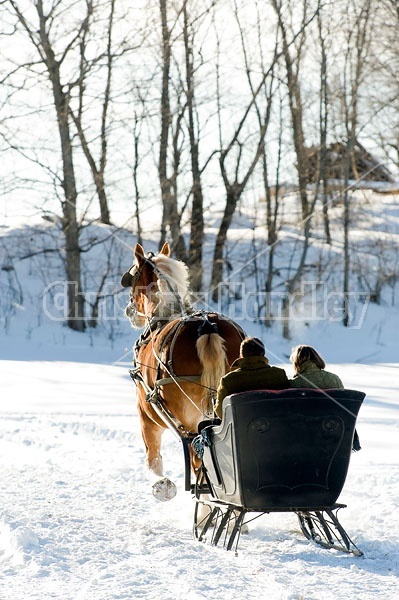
point(197, 211)
point(354, 70)
point(102, 198)
point(323, 123)
point(292, 65)
point(346, 235)
point(170, 216)
point(296, 108)
point(98, 172)
point(136, 137)
point(293, 281)
point(69, 221)
point(271, 224)
point(233, 195)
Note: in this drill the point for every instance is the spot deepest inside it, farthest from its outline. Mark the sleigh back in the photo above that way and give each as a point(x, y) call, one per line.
point(282, 449)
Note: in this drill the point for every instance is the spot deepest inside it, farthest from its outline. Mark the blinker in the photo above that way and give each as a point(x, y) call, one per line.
point(127, 279)
point(130, 279)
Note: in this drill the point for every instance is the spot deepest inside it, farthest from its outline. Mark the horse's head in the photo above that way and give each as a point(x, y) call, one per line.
point(141, 278)
point(158, 286)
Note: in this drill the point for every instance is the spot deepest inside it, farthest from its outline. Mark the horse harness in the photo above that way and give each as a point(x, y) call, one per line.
point(153, 394)
point(155, 326)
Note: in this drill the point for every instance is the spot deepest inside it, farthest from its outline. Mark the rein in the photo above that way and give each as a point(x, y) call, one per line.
point(173, 378)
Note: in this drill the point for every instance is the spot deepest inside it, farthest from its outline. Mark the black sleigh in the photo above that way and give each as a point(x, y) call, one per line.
point(277, 451)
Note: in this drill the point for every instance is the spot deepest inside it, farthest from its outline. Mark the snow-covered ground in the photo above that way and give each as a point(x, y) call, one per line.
point(78, 520)
point(77, 517)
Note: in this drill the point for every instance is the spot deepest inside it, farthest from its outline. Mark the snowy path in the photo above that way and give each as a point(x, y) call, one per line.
point(78, 521)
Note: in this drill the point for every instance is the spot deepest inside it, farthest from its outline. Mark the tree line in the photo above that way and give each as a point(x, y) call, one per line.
point(184, 105)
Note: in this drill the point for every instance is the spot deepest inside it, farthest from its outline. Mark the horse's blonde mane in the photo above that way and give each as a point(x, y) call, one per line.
point(174, 272)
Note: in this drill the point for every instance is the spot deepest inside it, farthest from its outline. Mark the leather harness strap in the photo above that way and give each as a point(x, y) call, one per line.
point(165, 380)
point(154, 325)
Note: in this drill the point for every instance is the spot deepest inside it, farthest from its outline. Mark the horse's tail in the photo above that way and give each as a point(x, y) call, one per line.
point(211, 349)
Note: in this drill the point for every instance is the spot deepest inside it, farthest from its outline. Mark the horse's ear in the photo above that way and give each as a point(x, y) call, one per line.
point(165, 249)
point(139, 254)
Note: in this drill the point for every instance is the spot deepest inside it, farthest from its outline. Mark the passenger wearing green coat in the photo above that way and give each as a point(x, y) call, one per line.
point(310, 372)
point(251, 371)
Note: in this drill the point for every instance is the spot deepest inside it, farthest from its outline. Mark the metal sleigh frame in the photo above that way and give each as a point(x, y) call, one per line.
point(223, 524)
point(274, 451)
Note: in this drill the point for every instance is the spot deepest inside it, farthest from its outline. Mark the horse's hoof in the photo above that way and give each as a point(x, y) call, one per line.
point(164, 490)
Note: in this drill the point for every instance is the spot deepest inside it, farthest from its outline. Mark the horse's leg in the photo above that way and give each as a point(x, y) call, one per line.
point(152, 435)
point(164, 489)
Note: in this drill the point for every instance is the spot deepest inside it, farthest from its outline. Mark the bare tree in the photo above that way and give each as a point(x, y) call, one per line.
point(74, 59)
point(293, 59)
point(358, 39)
point(62, 47)
point(323, 126)
point(293, 44)
point(137, 121)
point(272, 211)
point(265, 109)
point(168, 181)
point(197, 210)
point(272, 193)
point(98, 171)
point(233, 154)
point(40, 35)
point(383, 91)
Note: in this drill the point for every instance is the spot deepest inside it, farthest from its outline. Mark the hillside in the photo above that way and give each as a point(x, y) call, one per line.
point(33, 291)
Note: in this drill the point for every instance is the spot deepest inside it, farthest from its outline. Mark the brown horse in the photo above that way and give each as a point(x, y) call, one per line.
point(180, 356)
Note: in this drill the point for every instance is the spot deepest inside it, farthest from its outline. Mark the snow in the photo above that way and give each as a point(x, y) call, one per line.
point(78, 519)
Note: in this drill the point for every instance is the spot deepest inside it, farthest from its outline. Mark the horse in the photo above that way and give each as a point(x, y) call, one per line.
point(179, 357)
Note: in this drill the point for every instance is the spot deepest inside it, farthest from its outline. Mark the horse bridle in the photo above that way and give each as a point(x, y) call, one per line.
point(130, 279)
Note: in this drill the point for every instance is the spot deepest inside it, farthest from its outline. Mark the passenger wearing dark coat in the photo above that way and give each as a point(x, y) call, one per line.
point(251, 371)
